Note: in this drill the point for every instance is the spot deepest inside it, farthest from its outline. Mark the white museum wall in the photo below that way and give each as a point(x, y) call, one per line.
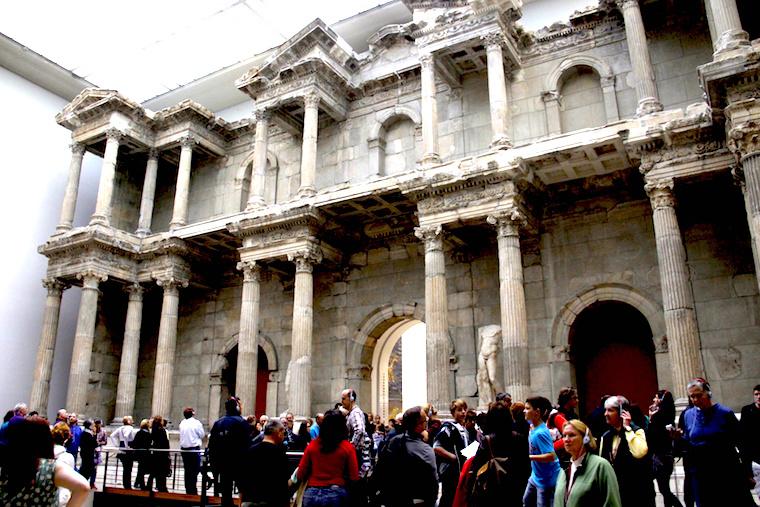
point(34, 159)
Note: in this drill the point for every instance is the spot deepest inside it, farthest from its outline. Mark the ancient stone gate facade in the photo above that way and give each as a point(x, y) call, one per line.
point(461, 172)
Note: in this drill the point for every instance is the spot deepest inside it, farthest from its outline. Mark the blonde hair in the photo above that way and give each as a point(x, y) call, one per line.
point(584, 431)
point(144, 424)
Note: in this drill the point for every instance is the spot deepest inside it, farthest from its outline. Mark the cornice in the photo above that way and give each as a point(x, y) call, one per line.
point(93, 103)
point(307, 216)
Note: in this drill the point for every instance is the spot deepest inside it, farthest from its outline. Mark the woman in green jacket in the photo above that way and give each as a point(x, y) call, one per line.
point(589, 481)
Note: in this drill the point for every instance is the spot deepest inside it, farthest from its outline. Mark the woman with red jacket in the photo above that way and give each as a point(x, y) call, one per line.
point(328, 464)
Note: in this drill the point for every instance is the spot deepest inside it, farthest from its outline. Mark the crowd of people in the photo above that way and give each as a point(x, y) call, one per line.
point(516, 453)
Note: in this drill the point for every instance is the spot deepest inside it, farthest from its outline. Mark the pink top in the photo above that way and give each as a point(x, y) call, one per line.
point(327, 469)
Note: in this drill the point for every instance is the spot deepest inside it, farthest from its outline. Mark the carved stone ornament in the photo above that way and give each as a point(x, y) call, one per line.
point(744, 139)
point(311, 100)
point(431, 235)
point(660, 193)
point(262, 115)
point(492, 40)
point(54, 286)
point(426, 60)
point(114, 135)
point(507, 223)
point(661, 344)
point(251, 270)
point(170, 283)
point(90, 278)
point(188, 142)
point(626, 4)
point(306, 258)
point(135, 291)
point(153, 154)
point(77, 149)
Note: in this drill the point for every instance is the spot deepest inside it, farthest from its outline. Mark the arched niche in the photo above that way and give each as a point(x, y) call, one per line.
point(379, 132)
point(243, 180)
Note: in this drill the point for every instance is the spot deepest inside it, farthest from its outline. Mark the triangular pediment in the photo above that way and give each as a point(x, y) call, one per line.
point(92, 102)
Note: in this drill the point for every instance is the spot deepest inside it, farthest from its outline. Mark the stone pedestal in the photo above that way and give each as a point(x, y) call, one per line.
point(684, 345)
point(727, 27)
point(79, 375)
point(148, 194)
point(309, 146)
point(638, 49)
point(182, 192)
point(514, 318)
point(167, 344)
point(298, 381)
point(248, 347)
point(258, 170)
point(497, 91)
point(103, 204)
point(130, 353)
point(429, 111)
point(436, 317)
point(72, 189)
point(43, 367)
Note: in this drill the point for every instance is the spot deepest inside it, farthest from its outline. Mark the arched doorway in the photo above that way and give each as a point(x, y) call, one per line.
point(229, 374)
point(399, 370)
point(612, 351)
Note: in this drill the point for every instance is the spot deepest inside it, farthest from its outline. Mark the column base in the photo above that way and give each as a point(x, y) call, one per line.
point(61, 228)
point(255, 203)
point(143, 231)
point(176, 225)
point(100, 220)
point(430, 159)
point(501, 143)
point(307, 192)
point(730, 42)
point(647, 106)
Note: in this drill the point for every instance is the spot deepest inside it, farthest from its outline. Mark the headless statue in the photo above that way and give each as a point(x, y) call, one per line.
point(488, 361)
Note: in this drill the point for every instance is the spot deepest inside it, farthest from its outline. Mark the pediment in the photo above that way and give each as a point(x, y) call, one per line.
point(93, 102)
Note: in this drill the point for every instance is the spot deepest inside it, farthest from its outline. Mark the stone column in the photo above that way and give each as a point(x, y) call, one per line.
point(130, 353)
point(643, 73)
point(79, 375)
point(553, 120)
point(298, 378)
point(497, 91)
point(148, 194)
point(429, 113)
point(182, 192)
point(102, 213)
point(677, 299)
point(309, 145)
point(167, 344)
point(728, 27)
point(436, 316)
point(248, 346)
point(43, 368)
point(258, 171)
point(72, 189)
point(514, 318)
point(610, 98)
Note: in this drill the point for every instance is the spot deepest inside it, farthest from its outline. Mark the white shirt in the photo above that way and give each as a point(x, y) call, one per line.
point(191, 433)
point(124, 434)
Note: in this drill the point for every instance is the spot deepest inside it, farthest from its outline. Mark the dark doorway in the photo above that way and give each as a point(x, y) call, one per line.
point(229, 378)
point(612, 349)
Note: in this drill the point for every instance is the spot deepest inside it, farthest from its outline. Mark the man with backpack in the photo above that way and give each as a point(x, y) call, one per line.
point(405, 474)
point(447, 447)
point(543, 461)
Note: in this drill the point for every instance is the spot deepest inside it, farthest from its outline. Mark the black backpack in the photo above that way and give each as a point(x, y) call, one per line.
point(491, 480)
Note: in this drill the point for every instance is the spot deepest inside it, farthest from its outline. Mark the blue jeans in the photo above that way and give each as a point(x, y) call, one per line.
point(328, 496)
point(538, 497)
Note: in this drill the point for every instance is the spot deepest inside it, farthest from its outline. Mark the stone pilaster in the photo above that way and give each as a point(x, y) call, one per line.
point(684, 345)
point(514, 318)
point(309, 145)
point(298, 381)
point(429, 111)
point(638, 49)
point(167, 343)
point(497, 91)
point(248, 347)
point(72, 188)
point(130, 353)
point(148, 194)
point(43, 368)
point(258, 171)
point(729, 34)
point(103, 205)
point(436, 316)
point(553, 119)
point(182, 192)
point(81, 357)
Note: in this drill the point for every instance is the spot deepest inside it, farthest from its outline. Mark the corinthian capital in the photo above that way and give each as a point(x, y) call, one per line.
point(91, 278)
point(426, 60)
point(744, 139)
point(170, 283)
point(153, 153)
point(77, 149)
point(492, 40)
point(135, 291)
point(432, 235)
point(626, 4)
point(507, 223)
point(311, 99)
point(54, 286)
point(188, 141)
point(251, 270)
point(262, 115)
point(306, 258)
point(660, 193)
point(114, 135)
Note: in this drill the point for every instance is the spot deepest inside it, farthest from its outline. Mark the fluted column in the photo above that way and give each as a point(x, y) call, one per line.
point(728, 27)
point(497, 91)
point(298, 381)
point(684, 345)
point(72, 188)
point(258, 171)
point(43, 368)
point(429, 111)
point(638, 49)
point(436, 316)
point(248, 346)
point(81, 357)
point(103, 205)
point(130, 352)
point(309, 145)
point(167, 344)
point(182, 192)
point(148, 194)
point(514, 318)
